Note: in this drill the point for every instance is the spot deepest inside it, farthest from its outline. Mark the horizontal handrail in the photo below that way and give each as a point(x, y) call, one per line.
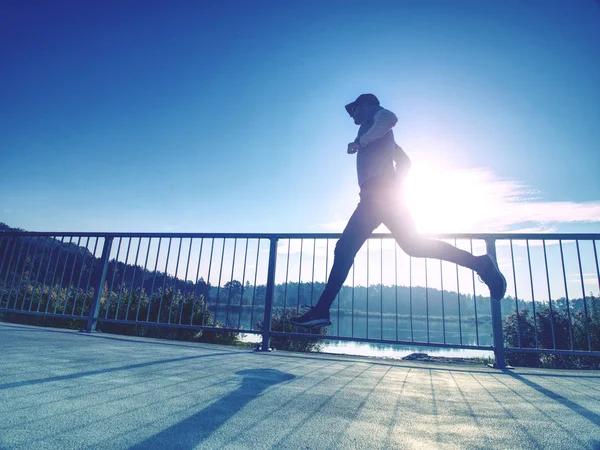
point(482, 236)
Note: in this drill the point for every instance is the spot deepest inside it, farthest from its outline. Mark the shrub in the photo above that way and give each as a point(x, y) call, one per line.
point(519, 332)
point(163, 307)
point(280, 321)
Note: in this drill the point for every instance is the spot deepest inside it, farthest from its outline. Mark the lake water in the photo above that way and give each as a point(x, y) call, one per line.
point(390, 327)
point(393, 351)
point(399, 351)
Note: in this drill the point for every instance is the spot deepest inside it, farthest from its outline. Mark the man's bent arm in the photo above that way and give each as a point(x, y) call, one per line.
point(384, 122)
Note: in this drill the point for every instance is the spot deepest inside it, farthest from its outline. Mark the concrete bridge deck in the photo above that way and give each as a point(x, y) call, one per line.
point(62, 389)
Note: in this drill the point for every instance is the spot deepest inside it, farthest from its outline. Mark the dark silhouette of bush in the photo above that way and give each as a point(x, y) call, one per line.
point(168, 307)
point(553, 332)
point(280, 321)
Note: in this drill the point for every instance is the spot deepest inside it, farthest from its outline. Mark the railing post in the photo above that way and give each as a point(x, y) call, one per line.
point(490, 245)
point(99, 286)
point(269, 295)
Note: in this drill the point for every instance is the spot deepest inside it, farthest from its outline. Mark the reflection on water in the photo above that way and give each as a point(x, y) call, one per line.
point(395, 351)
point(456, 330)
point(417, 329)
point(399, 351)
point(389, 327)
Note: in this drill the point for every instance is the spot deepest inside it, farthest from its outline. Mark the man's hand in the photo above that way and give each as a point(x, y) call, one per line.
point(353, 148)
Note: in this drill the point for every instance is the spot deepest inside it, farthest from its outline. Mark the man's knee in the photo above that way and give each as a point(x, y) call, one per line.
point(412, 247)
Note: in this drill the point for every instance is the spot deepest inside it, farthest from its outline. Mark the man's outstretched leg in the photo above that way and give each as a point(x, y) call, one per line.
point(360, 226)
point(401, 225)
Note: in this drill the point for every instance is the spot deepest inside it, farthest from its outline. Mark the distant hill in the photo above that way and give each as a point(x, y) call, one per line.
point(4, 227)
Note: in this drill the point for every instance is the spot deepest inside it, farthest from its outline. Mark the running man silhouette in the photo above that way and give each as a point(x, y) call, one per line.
point(379, 180)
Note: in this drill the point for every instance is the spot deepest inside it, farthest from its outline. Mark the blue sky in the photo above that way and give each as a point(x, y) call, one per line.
point(228, 116)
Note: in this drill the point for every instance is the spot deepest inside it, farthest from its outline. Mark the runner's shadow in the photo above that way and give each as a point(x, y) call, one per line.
point(192, 431)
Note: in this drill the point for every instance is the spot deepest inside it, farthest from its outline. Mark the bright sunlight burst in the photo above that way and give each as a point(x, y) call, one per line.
point(448, 200)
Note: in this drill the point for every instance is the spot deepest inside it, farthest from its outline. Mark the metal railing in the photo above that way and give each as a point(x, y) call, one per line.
point(254, 283)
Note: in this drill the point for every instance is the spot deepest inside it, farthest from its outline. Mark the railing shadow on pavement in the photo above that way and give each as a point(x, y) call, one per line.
point(192, 431)
point(540, 409)
point(575, 407)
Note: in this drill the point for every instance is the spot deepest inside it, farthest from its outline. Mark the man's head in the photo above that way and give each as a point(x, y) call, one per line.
point(357, 108)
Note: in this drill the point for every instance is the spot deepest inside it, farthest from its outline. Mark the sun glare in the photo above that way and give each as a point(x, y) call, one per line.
point(448, 200)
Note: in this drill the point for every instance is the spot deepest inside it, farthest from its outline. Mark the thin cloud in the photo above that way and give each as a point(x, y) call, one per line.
point(476, 200)
point(333, 227)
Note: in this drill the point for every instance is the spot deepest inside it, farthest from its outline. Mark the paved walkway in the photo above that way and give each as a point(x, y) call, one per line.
point(64, 390)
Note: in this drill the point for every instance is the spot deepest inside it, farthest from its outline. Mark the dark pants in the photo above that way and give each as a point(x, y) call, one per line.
point(379, 204)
